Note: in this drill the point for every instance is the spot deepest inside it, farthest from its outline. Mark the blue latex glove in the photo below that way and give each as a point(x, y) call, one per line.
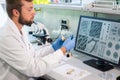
point(58, 43)
point(69, 43)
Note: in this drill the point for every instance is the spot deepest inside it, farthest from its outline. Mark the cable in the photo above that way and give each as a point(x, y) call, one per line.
point(59, 33)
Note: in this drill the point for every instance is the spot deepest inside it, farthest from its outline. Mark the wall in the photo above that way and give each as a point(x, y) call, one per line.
point(2, 1)
point(3, 16)
point(51, 18)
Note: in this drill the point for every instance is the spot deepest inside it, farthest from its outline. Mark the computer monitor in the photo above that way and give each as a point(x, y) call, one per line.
point(99, 38)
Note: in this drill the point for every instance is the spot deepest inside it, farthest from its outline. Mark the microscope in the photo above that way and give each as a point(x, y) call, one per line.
point(42, 36)
point(41, 33)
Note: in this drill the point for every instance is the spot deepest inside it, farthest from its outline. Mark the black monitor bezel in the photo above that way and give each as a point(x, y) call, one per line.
point(78, 34)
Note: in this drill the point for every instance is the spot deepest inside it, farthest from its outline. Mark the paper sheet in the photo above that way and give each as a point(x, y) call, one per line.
point(71, 72)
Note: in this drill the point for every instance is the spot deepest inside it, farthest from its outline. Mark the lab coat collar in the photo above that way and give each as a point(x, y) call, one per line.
point(14, 27)
point(21, 38)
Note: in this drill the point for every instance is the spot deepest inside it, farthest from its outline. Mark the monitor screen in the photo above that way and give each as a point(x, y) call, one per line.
point(99, 38)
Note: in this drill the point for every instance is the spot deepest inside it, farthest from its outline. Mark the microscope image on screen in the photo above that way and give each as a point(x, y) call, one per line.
point(89, 40)
point(95, 29)
point(99, 38)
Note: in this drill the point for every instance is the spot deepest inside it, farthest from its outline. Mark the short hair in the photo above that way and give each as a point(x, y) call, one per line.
point(14, 4)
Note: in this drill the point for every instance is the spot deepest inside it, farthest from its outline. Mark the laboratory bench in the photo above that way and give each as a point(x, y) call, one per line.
point(76, 62)
point(84, 71)
point(73, 68)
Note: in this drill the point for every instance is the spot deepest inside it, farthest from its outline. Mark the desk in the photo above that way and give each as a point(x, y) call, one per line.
point(95, 74)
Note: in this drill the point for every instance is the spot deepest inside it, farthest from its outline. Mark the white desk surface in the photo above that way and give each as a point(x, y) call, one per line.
point(95, 74)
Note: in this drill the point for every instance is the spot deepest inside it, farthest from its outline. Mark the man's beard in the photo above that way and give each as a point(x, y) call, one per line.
point(24, 22)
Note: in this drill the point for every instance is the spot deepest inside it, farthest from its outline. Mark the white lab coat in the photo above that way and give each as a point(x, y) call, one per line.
point(18, 60)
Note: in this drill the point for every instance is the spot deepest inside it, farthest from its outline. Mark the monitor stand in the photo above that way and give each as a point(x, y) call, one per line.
point(99, 64)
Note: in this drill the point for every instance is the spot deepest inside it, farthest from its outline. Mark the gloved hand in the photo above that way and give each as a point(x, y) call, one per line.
point(58, 43)
point(69, 43)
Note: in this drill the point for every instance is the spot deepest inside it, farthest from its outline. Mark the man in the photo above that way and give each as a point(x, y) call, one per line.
point(18, 60)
